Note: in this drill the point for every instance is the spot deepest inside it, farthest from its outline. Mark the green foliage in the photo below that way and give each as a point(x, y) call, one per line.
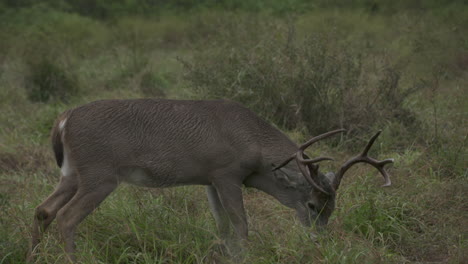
point(317, 82)
point(382, 221)
point(307, 66)
point(111, 9)
point(43, 30)
point(48, 80)
point(153, 85)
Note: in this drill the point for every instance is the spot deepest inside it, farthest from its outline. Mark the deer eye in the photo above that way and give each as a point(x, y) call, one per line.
point(311, 206)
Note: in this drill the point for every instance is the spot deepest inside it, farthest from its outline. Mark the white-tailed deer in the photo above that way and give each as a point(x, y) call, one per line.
point(162, 143)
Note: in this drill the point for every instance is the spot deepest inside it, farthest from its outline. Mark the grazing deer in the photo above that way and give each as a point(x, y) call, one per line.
point(162, 143)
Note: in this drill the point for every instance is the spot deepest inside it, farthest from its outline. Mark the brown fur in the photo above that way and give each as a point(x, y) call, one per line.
point(159, 143)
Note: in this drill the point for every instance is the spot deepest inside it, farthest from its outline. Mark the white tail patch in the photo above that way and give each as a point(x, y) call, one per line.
point(62, 124)
point(66, 166)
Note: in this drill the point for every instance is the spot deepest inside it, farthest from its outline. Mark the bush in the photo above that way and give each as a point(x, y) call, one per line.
point(48, 80)
point(153, 85)
point(319, 82)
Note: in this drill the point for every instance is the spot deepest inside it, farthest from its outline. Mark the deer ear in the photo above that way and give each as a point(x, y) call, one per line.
point(284, 179)
point(330, 176)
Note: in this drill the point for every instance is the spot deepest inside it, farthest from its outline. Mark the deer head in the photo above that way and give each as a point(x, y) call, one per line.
point(318, 201)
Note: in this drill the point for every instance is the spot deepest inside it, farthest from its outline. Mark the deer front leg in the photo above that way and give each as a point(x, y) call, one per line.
point(230, 198)
point(220, 215)
point(230, 195)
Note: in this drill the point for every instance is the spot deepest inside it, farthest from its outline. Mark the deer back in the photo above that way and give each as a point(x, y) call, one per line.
point(170, 142)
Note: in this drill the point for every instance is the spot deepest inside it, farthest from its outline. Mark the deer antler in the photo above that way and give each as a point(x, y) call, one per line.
point(302, 163)
point(363, 157)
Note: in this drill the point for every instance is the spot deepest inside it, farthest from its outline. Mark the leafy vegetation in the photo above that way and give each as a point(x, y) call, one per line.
point(305, 66)
point(318, 83)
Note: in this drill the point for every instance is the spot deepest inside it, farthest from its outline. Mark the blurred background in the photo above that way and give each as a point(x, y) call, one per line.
point(305, 66)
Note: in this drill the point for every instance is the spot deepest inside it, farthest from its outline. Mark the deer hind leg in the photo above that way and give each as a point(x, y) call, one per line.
point(93, 189)
point(45, 213)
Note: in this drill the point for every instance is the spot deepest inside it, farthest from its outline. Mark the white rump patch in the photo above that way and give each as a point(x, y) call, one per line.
point(62, 124)
point(66, 166)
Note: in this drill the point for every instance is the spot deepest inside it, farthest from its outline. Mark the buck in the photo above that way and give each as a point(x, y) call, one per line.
point(163, 143)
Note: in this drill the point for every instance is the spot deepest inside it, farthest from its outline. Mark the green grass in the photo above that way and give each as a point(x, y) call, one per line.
point(403, 72)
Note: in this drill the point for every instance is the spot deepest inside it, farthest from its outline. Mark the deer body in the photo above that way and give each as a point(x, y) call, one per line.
point(162, 143)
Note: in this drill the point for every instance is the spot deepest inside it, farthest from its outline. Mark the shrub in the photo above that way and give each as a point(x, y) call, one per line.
point(153, 85)
point(318, 82)
point(48, 80)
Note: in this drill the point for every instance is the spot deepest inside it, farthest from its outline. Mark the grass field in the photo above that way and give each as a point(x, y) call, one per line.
point(400, 67)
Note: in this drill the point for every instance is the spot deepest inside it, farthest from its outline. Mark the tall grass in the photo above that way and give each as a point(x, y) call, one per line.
point(373, 65)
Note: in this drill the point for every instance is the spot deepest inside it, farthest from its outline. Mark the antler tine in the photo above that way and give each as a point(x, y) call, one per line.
point(363, 157)
point(388, 182)
point(301, 162)
point(282, 164)
point(306, 145)
point(320, 137)
point(311, 161)
point(370, 143)
point(306, 173)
